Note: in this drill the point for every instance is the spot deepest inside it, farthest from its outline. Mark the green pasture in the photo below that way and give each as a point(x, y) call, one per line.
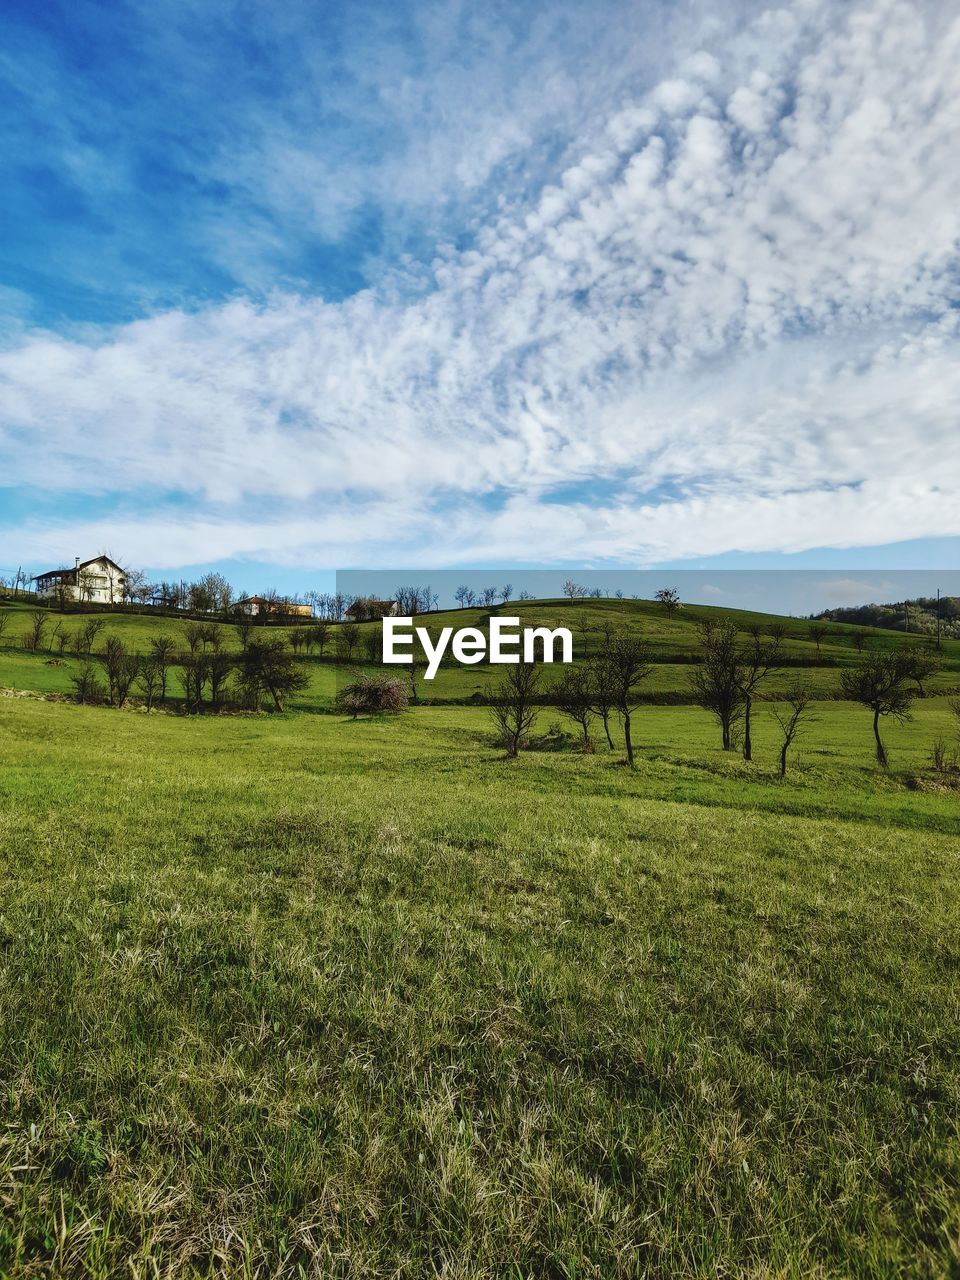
point(301, 996)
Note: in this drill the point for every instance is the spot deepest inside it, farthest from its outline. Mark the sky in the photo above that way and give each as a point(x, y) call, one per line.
point(292, 288)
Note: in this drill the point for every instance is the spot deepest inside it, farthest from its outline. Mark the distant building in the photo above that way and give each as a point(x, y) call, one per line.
point(255, 606)
point(97, 581)
point(366, 610)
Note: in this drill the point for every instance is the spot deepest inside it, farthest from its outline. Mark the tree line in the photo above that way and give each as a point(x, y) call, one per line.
point(207, 675)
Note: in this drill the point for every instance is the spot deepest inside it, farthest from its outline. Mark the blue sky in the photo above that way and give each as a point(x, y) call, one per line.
point(285, 289)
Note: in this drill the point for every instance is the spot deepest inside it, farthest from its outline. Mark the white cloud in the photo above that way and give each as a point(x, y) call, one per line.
point(743, 319)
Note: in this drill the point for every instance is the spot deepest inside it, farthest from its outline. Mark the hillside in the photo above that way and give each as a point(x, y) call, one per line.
point(912, 617)
point(672, 640)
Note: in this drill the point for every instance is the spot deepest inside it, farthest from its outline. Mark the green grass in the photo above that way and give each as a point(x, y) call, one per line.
point(297, 996)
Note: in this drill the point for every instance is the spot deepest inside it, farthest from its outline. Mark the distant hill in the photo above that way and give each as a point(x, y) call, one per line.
point(918, 617)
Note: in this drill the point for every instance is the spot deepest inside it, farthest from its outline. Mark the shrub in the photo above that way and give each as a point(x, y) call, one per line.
point(372, 695)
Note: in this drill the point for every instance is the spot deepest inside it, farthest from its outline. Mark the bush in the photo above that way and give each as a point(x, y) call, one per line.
point(373, 695)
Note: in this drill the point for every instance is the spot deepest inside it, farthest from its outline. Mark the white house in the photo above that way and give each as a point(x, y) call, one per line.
point(97, 581)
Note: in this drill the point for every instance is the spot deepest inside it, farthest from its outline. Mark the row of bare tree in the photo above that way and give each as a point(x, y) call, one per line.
point(727, 683)
point(210, 677)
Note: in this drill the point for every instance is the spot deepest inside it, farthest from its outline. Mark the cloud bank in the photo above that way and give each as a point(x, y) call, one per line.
point(725, 320)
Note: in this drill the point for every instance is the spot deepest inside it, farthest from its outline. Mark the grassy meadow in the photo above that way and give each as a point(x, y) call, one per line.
point(299, 996)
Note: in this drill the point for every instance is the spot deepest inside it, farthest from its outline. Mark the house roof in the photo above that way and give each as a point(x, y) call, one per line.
point(57, 573)
point(52, 573)
point(96, 559)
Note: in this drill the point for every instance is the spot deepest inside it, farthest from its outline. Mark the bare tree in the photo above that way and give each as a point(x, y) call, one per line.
point(413, 600)
point(757, 660)
point(572, 590)
point(84, 586)
point(136, 587)
point(195, 635)
point(193, 678)
point(410, 601)
point(777, 632)
point(716, 682)
point(798, 704)
point(488, 597)
point(464, 596)
point(212, 594)
point(219, 664)
point(514, 712)
point(321, 630)
point(627, 666)
point(879, 682)
point(860, 638)
point(4, 619)
point(576, 698)
point(86, 636)
point(34, 637)
point(348, 635)
point(818, 634)
point(148, 681)
point(163, 650)
point(669, 597)
point(506, 591)
point(373, 643)
point(91, 630)
point(243, 631)
point(601, 684)
point(121, 669)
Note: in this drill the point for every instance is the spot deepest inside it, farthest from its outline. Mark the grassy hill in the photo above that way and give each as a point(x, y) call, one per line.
point(672, 639)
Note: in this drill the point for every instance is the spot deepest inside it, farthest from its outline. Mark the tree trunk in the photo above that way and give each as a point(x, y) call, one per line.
point(586, 735)
point(747, 744)
point(783, 760)
point(605, 715)
point(627, 739)
point(725, 725)
point(881, 753)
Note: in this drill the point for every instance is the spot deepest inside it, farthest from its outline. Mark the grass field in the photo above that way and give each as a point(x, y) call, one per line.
point(300, 996)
